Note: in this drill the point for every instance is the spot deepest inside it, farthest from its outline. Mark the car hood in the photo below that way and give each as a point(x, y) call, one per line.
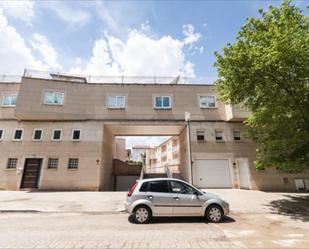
point(211, 196)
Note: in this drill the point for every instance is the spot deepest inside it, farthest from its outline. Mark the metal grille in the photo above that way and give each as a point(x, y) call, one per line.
point(52, 163)
point(73, 163)
point(12, 162)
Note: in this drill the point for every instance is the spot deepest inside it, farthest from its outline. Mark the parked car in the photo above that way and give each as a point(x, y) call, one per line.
point(172, 197)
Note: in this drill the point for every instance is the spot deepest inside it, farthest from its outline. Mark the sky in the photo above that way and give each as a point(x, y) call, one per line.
point(162, 38)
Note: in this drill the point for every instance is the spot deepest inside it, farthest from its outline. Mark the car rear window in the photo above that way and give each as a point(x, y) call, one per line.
point(144, 187)
point(158, 186)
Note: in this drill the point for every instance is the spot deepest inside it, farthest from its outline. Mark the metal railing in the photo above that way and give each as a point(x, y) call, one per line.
point(5, 78)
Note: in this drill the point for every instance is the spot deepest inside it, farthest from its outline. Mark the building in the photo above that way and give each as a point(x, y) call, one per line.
point(58, 133)
point(138, 151)
point(165, 154)
point(120, 149)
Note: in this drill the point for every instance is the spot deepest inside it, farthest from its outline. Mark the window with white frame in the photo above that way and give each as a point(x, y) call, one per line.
point(200, 135)
point(76, 134)
point(1, 134)
point(9, 100)
point(237, 135)
point(73, 163)
point(207, 101)
point(37, 135)
point(18, 135)
point(12, 163)
point(53, 98)
point(219, 135)
point(116, 101)
point(52, 163)
point(56, 135)
point(162, 102)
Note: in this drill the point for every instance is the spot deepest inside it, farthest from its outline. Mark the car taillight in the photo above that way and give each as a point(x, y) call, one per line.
point(132, 189)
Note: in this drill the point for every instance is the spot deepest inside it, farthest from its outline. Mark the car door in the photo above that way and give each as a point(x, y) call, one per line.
point(187, 200)
point(160, 197)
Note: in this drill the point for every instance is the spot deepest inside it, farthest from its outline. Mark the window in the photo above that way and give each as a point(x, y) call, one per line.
point(158, 186)
point(219, 135)
point(18, 135)
point(207, 101)
point(9, 100)
point(200, 135)
point(1, 134)
point(144, 187)
point(53, 98)
point(37, 135)
point(181, 188)
point(162, 102)
point(12, 162)
point(73, 163)
point(52, 163)
point(237, 135)
point(76, 135)
point(116, 101)
point(56, 136)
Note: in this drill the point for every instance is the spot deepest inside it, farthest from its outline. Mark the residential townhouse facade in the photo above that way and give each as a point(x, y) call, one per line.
point(59, 134)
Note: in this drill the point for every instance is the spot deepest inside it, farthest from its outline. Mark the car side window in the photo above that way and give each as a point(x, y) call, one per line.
point(144, 187)
point(181, 188)
point(158, 186)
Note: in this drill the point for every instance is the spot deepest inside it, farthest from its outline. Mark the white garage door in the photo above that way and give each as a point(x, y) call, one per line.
point(212, 173)
point(124, 183)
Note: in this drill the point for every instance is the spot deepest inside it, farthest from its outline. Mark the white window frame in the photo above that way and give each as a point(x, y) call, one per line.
point(222, 140)
point(207, 95)
point(52, 136)
point(204, 135)
point(162, 96)
point(22, 134)
point(240, 137)
point(52, 158)
point(8, 95)
point(37, 129)
point(80, 135)
point(116, 96)
point(54, 92)
point(1, 138)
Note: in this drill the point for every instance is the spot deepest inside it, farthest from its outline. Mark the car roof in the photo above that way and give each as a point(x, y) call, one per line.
point(160, 179)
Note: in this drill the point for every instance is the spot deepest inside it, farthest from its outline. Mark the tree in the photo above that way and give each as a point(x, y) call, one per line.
point(267, 70)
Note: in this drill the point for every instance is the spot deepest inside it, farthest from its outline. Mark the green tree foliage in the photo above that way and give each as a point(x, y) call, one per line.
point(267, 71)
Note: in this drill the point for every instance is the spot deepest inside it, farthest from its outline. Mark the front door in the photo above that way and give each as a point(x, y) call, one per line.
point(243, 173)
point(31, 173)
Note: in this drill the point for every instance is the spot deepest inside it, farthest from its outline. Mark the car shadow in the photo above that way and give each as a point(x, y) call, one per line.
point(162, 220)
point(296, 207)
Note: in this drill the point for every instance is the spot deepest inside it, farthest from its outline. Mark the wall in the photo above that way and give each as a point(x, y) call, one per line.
point(7, 112)
point(120, 149)
point(184, 155)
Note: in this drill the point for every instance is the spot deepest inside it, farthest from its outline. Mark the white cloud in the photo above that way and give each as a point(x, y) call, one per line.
point(22, 10)
point(50, 56)
point(15, 54)
point(141, 54)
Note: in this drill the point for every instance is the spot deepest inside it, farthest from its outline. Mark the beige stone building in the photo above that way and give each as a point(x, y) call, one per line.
point(58, 133)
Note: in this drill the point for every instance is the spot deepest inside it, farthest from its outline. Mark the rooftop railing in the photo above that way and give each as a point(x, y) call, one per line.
point(4, 78)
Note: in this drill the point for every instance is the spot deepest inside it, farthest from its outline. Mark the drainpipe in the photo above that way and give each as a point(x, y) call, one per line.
point(187, 118)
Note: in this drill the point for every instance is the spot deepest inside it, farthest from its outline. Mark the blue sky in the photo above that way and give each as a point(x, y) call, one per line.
point(121, 37)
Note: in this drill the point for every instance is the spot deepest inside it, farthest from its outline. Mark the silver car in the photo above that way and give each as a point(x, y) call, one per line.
point(172, 197)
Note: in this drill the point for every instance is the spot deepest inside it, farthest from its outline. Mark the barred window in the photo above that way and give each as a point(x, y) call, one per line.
point(52, 163)
point(12, 162)
point(73, 163)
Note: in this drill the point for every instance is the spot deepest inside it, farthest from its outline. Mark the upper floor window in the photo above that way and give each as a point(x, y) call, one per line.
point(37, 135)
point(207, 101)
point(237, 135)
point(53, 98)
point(76, 135)
point(200, 135)
point(1, 134)
point(9, 100)
point(219, 135)
point(56, 135)
point(116, 101)
point(162, 102)
point(18, 135)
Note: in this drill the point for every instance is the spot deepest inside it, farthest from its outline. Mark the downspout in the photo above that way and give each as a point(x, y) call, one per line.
point(190, 151)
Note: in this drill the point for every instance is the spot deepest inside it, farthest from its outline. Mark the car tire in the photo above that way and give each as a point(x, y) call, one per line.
point(214, 213)
point(142, 214)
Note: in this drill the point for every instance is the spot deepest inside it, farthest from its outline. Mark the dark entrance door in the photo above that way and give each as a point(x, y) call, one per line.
point(31, 173)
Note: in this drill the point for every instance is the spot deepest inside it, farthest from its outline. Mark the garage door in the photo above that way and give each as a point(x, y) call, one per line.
point(124, 183)
point(212, 174)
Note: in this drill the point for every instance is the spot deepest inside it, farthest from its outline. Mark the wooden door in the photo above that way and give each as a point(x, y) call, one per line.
point(31, 173)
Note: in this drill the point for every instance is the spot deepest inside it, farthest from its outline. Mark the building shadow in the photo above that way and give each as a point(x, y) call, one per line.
point(162, 220)
point(296, 207)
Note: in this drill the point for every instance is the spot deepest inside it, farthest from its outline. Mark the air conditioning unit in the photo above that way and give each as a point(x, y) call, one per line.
point(300, 184)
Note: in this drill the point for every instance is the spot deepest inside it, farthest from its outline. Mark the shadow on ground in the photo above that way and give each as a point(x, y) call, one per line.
point(296, 207)
point(161, 220)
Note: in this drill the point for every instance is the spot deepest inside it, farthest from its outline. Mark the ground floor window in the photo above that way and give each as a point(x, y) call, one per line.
point(11, 164)
point(52, 163)
point(73, 163)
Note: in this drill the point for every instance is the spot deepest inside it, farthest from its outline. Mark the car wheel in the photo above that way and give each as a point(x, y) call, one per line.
point(214, 213)
point(142, 214)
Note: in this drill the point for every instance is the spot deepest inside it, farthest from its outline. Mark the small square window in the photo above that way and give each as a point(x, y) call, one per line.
point(200, 135)
point(12, 163)
point(219, 135)
point(237, 136)
point(1, 134)
point(9, 100)
point(76, 135)
point(37, 135)
point(18, 135)
point(73, 163)
point(52, 163)
point(56, 135)
point(53, 98)
point(207, 101)
point(116, 101)
point(162, 102)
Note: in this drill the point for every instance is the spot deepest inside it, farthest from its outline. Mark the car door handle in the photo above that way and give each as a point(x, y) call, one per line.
point(176, 198)
point(150, 197)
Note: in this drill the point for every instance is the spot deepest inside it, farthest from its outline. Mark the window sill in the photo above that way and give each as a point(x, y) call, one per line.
point(36, 140)
point(52, 169)
point(220, 141)
point(17, 140)
point(8, 106)
point(10, 169)
point(209, 107)
point(55, 140)
point(162, 108)
point(53, 104)
point(75, 140)
point(116, 108)
point(71, 169)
